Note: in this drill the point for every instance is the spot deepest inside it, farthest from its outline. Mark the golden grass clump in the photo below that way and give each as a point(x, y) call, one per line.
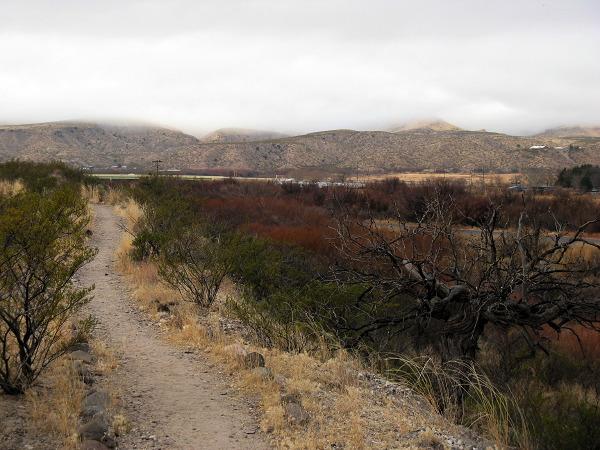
point(130, 210)
point(107, 360)
point(99, 193)
point(56, 404)
point(438, 384)
point(11, 187)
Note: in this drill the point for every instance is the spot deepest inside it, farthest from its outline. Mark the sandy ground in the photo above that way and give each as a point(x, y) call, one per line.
point(175, 399)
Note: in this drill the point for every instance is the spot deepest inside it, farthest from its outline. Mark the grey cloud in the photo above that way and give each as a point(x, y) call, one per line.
point(301, 65)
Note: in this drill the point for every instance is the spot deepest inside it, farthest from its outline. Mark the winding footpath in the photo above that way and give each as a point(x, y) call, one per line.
point(175, 399)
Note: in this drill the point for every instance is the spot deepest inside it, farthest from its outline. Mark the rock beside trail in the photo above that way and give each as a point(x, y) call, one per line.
point(296, 414)
point(95, 403)
point(83, 346)
point(80, 355)
point(95, 433)
point(92, 445)
point(86, 375)
point(290, 398)
point(95, 430)
point(253, 360)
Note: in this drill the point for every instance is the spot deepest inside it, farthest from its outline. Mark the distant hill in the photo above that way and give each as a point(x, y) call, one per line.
point(435, 125)
point(577, 131)
point(461, 151)
point(240, 135)
point(90, 144)
point(435, 145)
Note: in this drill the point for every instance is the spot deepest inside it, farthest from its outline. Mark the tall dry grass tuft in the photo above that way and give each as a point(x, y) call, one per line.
point(115, 196)
point(99, 193)
point(129, 210)
point(56, 404)
point(11, 187)
point(483, 407)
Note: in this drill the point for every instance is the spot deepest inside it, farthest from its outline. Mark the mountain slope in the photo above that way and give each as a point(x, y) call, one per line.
point(426, 126)
point(574, 131)
point(89, 143)
point(241, 135)
point(379, 150)
point(417, 148)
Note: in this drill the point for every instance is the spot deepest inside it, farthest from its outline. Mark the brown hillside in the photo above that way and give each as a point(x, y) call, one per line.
point(241, 135)
point(565, 132)
point(462, 151)
point(89, 143)
point(426, 126)
point(379, 150)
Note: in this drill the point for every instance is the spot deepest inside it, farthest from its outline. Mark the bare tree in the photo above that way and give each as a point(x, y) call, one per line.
point(446, 284)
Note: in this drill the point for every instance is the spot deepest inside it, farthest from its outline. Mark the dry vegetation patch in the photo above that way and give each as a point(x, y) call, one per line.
point(49, 415)
point(340, 403)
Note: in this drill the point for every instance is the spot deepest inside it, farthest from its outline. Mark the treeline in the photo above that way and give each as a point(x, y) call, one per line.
point(585, 177)
point(301, 214)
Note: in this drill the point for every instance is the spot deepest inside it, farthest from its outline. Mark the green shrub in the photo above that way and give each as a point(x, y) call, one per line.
point(42, 246)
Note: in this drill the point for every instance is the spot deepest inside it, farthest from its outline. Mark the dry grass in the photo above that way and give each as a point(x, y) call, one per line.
point(130, 211)
point(100, 193)
point(55, 404)
point(468, 178)
point(489, 411)
point(106, 359)
point(11, 187)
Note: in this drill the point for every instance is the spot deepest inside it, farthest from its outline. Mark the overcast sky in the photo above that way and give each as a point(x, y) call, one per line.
point(514, 66)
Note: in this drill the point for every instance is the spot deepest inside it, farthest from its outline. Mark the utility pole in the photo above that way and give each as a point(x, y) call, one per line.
point(157, 161)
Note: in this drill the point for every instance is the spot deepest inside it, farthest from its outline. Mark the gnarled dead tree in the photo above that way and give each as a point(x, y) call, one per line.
point(447, 282)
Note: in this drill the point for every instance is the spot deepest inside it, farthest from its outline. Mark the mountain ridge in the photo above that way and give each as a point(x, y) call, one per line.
point(580, 131)
point(436, 145)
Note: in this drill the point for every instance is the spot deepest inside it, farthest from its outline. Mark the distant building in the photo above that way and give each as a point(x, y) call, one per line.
point(538, 147)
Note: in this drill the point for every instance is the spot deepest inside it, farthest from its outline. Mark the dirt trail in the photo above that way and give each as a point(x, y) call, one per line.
point(176, 400)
